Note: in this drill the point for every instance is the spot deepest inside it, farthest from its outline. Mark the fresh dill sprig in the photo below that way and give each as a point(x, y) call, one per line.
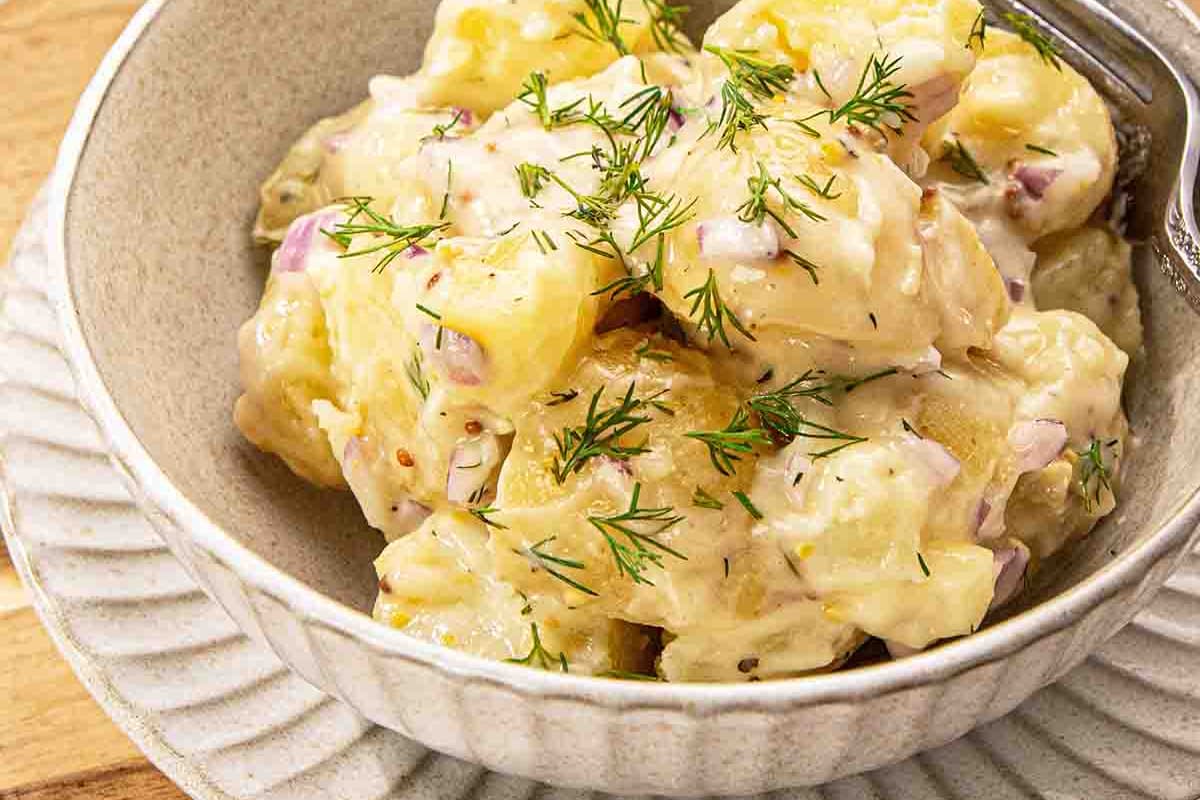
point(551, 563)
point(429, 312)
point(593, 209)
point(481, 514)
point(779, 416)
point(440, 130)
point(398, 238)
point(1037, 148)
point(725, 447)
point(747, 504)
point(763, 79)
point(820, 190)
point(416, 375)
point(878, 102)
point(703, 499)
point(962, 162)
point(562, 398)
point(658, 215)
point(1045, 47)
point(533, 95)
point(1095, 476)
point(446, 196)
point(750, 78)
point(602, 23)
point(644, 350)
point(978, 30)
point(539, 656)
point(714, 313)
point(666, 25)
point(532, 178)
point(640, 549)
point(921, 562)
point(543, 242)
point(850, 384)
point(758, 207)
point(804, 264)
point(600, 434)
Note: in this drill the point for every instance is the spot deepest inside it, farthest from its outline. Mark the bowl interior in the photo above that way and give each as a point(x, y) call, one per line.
point(163, 273)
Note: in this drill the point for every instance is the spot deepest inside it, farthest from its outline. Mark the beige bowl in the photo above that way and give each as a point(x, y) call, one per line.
point(153, 270)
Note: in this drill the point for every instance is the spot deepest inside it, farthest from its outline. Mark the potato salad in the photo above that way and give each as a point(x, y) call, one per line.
point(711, 360)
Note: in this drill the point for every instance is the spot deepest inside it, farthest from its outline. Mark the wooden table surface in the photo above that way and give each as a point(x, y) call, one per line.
point(55, 742)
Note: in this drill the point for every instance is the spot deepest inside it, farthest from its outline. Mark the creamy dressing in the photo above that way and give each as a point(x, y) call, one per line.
point(821, 405)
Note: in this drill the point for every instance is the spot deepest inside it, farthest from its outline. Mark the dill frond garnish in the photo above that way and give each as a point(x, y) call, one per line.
point(703, 499)
point(757, 206)
point(644, 350)
point(878, 102)
point(751, 509)
point(820, 190)
point(1045, 47)
point(804, 264)
point(551, 563)
point(725, 447)
point(600, 434)
point(666, 25)
point(562, 398)
point(978, 30)
point(398, 237)
point(924, 566)
point(481, 514)
point(640, 549)
point(1095, 476)
point(714, 313)
point(539, 656)
point(602, 23)
point(416, 375)
point(429, 312)
point(1037, 148)
point(533, 95)
point(779, 416)
point(446, 196)
point(440, 130)
point(750, 78)
point(850, 384)
point(543, 242)
point(532, 178)
point(962, 162)
point(658, 215)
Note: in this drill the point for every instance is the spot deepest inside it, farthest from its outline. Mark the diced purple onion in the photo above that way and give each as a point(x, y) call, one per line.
point(982, 510)
point(459, 357)
point(465, 116)
point(1035, 180)
point(298, 241)
point(933, 98)
point(677, 120)
point(408, 515)
point(1037, 443)
point(1016, 289)
point(1008, 572)
point(729, 237)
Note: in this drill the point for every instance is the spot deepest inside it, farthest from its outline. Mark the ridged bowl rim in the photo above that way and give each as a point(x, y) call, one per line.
point(160, 499)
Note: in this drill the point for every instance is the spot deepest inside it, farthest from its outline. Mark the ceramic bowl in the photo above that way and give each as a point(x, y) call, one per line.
point(153, 270)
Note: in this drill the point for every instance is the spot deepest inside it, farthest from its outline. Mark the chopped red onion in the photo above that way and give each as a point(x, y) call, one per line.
point(472, 464)
point(933, 99)
point(298, 241)
point(408, 515)
point(337, 142)
point(1034, 180)
point(677, 120)
point(459, 357)
point(1037, 443)
point(1009, 565)
point(1016, 289)
point(982, 510)
point(465, 115)
point(729, 237)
